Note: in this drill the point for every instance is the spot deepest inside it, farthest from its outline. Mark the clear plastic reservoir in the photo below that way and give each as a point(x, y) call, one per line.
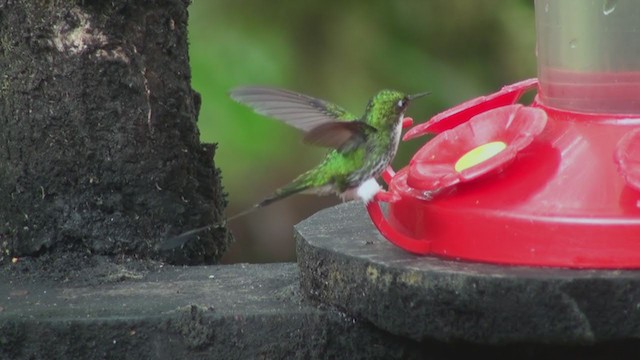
point(589, 55)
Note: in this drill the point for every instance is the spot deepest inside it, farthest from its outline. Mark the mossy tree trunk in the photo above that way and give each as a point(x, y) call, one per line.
point(99, 149)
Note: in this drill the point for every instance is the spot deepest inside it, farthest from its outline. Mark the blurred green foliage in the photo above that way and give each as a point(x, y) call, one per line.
point(341, 51)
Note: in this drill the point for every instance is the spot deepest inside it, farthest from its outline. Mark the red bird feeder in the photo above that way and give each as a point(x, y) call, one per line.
point(555, 183)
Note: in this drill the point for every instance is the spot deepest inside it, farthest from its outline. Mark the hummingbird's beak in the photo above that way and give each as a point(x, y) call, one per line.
point(419, 95)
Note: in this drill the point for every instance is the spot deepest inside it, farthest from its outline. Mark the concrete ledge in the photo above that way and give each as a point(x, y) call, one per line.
point(223, 312)
point(345, 262)
point(215, 312)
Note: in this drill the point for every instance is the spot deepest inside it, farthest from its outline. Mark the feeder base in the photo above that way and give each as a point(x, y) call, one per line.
point(345, 262)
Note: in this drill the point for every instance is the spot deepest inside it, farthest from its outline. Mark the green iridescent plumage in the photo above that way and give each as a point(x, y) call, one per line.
point(362, 147)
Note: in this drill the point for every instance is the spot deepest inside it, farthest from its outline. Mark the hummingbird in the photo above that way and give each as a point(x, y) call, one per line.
point(361, 148)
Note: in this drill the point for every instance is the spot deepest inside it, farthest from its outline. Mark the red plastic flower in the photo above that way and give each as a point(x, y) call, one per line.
point(627, 156)
point(485, 144)
point(457, 115)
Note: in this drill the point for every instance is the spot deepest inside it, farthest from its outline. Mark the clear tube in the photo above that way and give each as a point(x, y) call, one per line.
point(589, 55)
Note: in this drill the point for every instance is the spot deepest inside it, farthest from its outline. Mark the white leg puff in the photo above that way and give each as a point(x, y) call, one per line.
point(368, 189)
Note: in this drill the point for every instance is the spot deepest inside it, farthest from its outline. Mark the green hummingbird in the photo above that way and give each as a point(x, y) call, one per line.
point(361, 147)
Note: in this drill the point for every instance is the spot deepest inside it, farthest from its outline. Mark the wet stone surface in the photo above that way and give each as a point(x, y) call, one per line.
point(345, 262)
point(224, 312)
point(130, 309)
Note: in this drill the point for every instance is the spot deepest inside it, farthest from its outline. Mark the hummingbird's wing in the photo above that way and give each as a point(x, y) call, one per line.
point(300, 111)
point(343, 136)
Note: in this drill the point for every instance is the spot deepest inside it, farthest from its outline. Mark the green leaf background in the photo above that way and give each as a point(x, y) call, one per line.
point(344, 52)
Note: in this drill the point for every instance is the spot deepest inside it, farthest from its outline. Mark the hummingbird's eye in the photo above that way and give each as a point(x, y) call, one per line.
point(401, 103)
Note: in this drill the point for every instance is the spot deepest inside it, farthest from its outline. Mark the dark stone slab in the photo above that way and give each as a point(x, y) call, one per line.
point(345, 262)
point(135, 311)
point(217, 312)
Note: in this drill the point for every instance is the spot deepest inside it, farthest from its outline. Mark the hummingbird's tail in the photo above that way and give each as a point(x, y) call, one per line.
point(286, 191)
point(297, 186)
point(283, 192)
point(278, 195)
point(181, 239)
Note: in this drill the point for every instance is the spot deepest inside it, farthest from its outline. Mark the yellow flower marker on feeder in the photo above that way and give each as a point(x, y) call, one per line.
point(479, 154)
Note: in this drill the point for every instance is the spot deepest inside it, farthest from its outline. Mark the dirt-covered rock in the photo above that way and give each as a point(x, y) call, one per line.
point(99, 148)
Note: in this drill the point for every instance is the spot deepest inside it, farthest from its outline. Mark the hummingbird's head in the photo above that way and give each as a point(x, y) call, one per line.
point(389, 105)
